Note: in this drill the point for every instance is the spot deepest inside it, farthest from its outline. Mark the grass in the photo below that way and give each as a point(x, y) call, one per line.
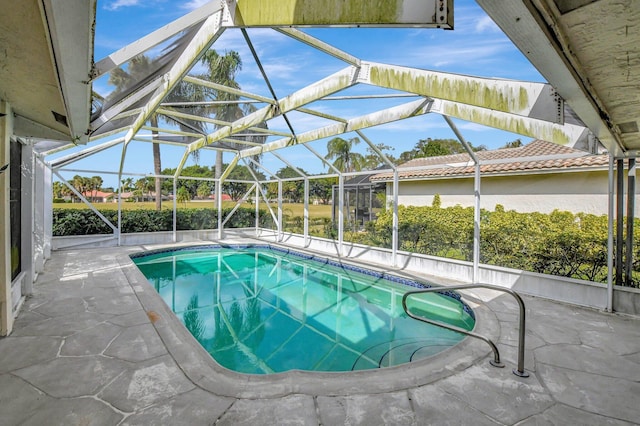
point(289, 209)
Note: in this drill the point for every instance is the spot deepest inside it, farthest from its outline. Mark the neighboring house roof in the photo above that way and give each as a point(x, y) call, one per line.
point(535, 157)
point(97, 194)
point(362, 179)
point(225, 197)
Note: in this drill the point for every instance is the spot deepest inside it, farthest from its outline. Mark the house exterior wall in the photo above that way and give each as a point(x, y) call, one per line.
point(6, 305)
point(575, 192)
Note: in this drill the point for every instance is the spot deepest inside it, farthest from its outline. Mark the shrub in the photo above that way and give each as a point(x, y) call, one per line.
point(560, 243)
point(85, 222)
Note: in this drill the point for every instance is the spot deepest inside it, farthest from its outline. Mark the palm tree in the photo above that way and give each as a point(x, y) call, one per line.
point(96, 184)
point(81, 184)
point(341, 150)
point(139, 69)
point(187, 92)
point(513, 144)
point(223, 70)
point(127, 183)
point(59, 189)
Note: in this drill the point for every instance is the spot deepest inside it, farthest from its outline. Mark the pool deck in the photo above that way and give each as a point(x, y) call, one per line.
point(93, 346)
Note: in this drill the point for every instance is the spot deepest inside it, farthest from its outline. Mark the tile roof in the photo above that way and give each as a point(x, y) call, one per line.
point(537, 155)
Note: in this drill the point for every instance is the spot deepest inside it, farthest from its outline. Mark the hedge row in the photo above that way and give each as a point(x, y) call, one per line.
point(85, 222)
point(560, 243)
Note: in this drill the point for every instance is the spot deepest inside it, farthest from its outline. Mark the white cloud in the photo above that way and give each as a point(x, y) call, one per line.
point(194, 4)
point(474, 127)
point(117, 4)
point(486, 24)
point(462, 53)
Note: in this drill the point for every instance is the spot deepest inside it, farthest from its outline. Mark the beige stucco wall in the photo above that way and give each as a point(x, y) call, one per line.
point(575, 192)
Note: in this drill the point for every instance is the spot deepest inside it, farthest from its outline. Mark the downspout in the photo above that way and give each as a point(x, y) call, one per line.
point(619, 220)
point(610, 239)
point(631, 204)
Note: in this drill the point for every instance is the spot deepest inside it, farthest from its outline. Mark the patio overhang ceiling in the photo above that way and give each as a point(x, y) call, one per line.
point(589, 51)
point(46, 54)
point(531, 109)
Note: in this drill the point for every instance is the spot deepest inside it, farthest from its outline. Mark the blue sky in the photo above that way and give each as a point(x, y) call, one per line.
point(475, 47)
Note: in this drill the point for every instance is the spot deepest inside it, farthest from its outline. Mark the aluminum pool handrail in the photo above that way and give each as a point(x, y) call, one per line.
point(519, 371)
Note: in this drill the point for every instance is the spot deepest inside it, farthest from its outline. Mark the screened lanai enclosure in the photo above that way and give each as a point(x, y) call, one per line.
point(67, 109)
point(363, 200)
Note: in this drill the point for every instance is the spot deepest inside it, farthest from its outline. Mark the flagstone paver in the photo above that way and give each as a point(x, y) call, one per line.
point(93, 347)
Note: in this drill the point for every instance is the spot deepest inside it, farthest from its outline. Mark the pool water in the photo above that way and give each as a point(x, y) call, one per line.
point(261, 310)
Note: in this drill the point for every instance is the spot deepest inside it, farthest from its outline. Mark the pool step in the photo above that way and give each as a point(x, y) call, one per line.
point(400, 352)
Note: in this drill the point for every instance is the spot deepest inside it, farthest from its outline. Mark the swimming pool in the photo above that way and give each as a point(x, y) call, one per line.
point(263, 310)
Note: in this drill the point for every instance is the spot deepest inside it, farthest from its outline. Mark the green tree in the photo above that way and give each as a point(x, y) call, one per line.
point(513, 144)
point(183, 196)
point(127, 184)
point(138, 69)
point(204, 190)
point(292, 189)
point(223, 70)
point(237, 189)
point(59, 189)
point(341, 152)
point(82, 184)
point(322, 188)
point(372, 160)
point(436, 147)
point(190, 185)
point(96, 184)
point(144, 187)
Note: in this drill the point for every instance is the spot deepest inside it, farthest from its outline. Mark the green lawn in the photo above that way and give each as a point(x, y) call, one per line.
point(289, 209)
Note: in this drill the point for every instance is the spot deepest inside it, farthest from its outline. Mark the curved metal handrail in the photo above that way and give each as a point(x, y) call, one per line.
point(496, 354)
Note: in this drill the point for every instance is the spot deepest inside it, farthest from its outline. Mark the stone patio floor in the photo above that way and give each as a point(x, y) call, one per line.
point(86, 351)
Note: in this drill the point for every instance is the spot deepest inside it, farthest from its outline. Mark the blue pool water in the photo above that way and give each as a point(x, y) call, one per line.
point(263, 310)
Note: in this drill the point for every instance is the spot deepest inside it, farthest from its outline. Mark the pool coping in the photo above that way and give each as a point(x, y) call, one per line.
point(205, 372)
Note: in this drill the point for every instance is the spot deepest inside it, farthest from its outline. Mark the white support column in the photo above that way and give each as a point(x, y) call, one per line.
point(610, 229)
point(280, 230)
point(219, 207)
point(42, 214)
point(47, 213)
point(121, 185)
point(27, 249)
point(175, 207)
point(340, 213)
point(257, 207)
point(6, 308)
point(306, 212)
point(394, 225)
point(476, 224)
point(476, 195)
